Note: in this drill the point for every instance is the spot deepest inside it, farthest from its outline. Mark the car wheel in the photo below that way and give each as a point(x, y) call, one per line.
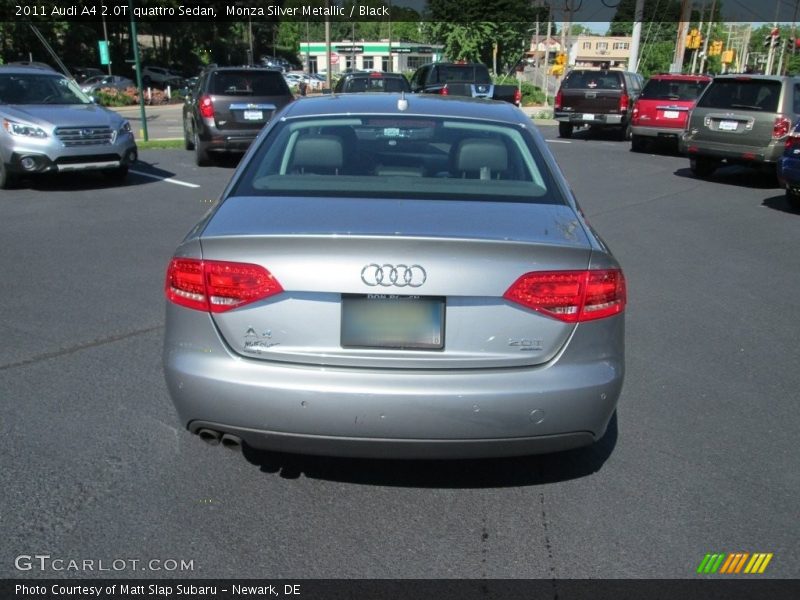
point(638, 143)
point(119, 174)
point(625, 133)
point(6, 178)
point(702, 167)
point(793, 199)
point(201, 156)
point(565, 130)
point(188, 142)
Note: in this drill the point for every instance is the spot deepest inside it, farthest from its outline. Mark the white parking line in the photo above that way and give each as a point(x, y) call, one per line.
point(166, 179)
point(559, 141)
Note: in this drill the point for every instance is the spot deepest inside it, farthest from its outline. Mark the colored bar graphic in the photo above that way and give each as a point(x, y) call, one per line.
point(733, 563)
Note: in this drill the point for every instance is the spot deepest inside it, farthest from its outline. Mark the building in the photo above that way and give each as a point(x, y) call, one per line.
point(541, 46)
point(368, 56)
point(596, 51)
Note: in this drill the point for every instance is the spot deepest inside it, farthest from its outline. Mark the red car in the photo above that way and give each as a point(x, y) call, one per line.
point(662, 110)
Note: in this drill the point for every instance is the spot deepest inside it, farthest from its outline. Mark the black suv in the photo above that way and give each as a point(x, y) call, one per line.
point(375, 81)
point(228, 107)
point(599, 98)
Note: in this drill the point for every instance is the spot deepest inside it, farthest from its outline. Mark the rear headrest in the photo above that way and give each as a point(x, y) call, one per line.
point(318, 153)
point(473, 154)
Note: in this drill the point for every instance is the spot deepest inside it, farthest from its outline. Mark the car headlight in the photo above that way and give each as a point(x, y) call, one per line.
point(22, 130)
point(125, 127)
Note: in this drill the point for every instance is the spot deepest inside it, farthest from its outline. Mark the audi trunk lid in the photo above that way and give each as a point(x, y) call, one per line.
point(437, 268)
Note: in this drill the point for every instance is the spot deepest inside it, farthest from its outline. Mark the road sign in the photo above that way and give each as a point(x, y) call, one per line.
point(334, 58)
point(102, 46)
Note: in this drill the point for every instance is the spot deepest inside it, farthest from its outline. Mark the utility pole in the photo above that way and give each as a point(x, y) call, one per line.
point(700, 30)
point(328, 77)
point(708, 36)
point(638, 17)
point(680, 45)
point(547, 58)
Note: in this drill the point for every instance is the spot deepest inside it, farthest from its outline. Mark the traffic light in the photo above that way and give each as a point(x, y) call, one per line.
point(694, 40)
point(727, 57)
point(561, 59)
point(715, 49)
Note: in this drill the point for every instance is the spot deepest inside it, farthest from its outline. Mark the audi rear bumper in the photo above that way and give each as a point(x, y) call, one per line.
point(398, 413)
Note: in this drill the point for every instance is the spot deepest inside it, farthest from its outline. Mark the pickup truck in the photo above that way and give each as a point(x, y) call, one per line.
point(462, 79)
point(598, 99)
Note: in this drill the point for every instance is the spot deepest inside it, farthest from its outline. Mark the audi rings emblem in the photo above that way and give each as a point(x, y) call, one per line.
point(393, 275)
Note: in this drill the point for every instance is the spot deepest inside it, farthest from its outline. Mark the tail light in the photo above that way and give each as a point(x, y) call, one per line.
point(217, 286)
point(792, 143)
point(635, 114)
point(517, 96)
point(444, 91)
point(781, 127)
point(571, 296)
point(206, 107)
point(623, 102)
point(558, 101)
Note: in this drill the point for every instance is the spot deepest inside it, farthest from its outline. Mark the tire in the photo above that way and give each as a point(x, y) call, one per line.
point(638, 143)
point(793, 200)
point(626, 134)
point(7, 180)
point(119, 174)
point(702, 167)
point(565, 130)
point(188, 142)
point(201, 157)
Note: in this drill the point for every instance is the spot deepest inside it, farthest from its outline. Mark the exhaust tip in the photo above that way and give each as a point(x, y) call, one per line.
point(209, 436)
point(232, 442)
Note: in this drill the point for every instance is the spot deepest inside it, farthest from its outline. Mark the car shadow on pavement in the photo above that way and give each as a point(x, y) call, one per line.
point(736, 175)
point(470, 473)
point(779, 203)
point(93, 180)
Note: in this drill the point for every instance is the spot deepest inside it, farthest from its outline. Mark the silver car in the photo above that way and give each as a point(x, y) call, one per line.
point(396, 276)
point(49, 125)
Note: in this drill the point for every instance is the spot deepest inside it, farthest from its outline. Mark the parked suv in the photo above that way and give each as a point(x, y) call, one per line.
point(229, 106)
point(598, 98)
point(374, 81)
point(662, 110)
point(741, 119)
point(49, 125)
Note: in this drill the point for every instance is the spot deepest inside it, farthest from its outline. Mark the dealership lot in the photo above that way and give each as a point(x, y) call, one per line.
point(702, 457)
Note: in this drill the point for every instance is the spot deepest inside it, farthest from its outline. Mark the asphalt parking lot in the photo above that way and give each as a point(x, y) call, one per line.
point(702, 456)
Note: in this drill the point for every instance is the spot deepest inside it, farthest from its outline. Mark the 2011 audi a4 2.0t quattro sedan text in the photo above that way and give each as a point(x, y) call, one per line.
point(396, 276)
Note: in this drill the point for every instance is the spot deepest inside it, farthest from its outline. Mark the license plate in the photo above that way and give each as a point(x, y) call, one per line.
point(253, 115)
point(588, 116)
point(671, 114)
point(387, 321)
point(728, 125)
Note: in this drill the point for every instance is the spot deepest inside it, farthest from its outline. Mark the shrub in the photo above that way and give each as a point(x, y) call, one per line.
point(531, 94)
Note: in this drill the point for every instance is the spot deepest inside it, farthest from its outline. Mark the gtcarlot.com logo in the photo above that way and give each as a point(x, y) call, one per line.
point(734, 563)
point(46, 562)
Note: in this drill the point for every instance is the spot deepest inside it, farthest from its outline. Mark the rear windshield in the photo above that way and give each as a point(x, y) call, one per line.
point(743, 94)
point(665, 89)
point(376, 84)
point(399, 157)
point(459, 73)
point(248, 83)
point(592, 80)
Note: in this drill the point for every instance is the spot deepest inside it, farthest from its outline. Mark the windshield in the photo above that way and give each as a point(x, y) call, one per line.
point(376, 84)
point(40, 89)
point(745, 93)
point(420, 157)
point(465, 73)
point(248, 83)
point(592, 80)
point(665, 89)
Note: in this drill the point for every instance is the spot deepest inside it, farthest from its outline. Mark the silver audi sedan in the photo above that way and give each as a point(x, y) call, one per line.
point(396, 276)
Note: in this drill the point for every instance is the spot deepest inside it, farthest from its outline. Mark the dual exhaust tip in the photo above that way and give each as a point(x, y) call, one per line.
point(215, 438)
